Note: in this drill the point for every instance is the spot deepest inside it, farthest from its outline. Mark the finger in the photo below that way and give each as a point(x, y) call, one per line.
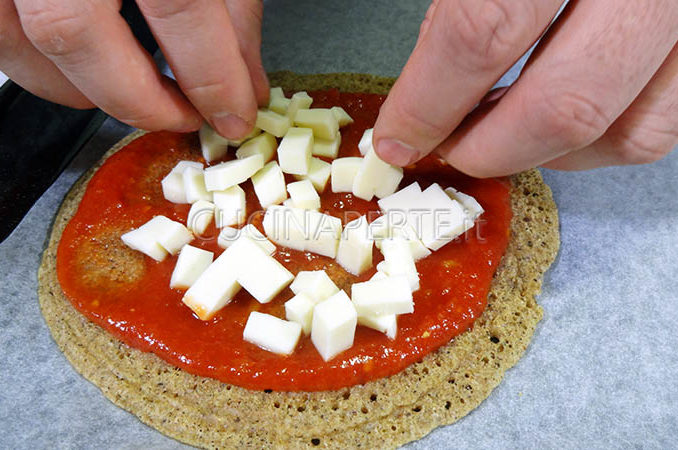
point(29, 68)
point(646, 132)
point(246, 16)
point(466, 48)
point(200, 45)
point(94, 48)
point(589, 72)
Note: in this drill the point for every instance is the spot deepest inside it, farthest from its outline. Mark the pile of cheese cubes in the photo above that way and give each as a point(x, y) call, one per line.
point(413, 223)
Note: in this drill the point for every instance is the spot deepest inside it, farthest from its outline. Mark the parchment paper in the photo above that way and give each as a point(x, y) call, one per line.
point(601, 371)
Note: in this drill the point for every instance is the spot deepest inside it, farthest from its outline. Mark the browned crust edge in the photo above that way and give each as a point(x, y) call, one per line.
point(440, 389)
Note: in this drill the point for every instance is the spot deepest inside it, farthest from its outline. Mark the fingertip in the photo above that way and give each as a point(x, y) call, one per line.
point(396, 152)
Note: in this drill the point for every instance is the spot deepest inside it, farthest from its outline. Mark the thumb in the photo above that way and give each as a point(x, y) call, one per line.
point(464, 49)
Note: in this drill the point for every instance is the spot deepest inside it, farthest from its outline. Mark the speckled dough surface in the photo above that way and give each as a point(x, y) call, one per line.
point(440, 389)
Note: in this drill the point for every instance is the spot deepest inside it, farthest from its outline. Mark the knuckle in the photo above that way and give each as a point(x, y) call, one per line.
point(487, 32)
point(163, 9)
point(54, 32)
point(646, 147)
point(572, 119)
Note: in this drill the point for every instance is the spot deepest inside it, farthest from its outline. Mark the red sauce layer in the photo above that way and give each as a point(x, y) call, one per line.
point(130, 297)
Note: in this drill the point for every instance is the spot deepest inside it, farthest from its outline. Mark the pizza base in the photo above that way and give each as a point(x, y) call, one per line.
point(438, 390)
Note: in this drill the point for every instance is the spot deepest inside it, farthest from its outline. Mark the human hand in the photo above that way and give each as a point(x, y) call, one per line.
point(82, 54)
point(600, 89)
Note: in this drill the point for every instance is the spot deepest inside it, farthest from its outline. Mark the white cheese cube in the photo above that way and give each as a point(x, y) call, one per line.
point(381, 297)
point(327, 148)
point(200, 217)
point(299, 100)
point(343, 172)
point(471, 206)
point(264, 145)
point(229, 235)
point(279, 105)
point(355, 247)
point(230, 206)
point(333, 325)
point(404, 200)
point(173, 183)
point(294, 151)
point(229, 173)
point(342, 116)
point(272, 122)
point(271, 333)
point(387, 324)
point(378, 275)
point(318, 174)
point(258, 273)
point(395, 224)
point(365, 143)
point(214, 288)
point(269, 185)
point(315, 283)
point(376, 177)
point(192, 262)
point(194, 185)
point(213, 145)
point(321, 120)
point(439, 219)
point(288, 203)
point(172, 236)
point(323, 233)
point(276, 92)
point(299, 309)
point(145, 239)
point(399, 260)
point(285, 226)
point(304, 195)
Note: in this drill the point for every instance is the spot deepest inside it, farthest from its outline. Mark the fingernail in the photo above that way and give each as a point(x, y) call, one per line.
point(396, 152)
point(231, 126)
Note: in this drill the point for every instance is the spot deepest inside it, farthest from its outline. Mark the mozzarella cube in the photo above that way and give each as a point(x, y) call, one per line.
point(173, 183)
point(316, 284)
point(343, 172)
point(229, 235)
point(264, 145)
point(269, 185)
point(299, 309)
point(172, 236)
point(194, 185)
point(230, 206)
point(327, 148)
point(365, 143)
point(376, 177)
point(272, 122)
point(213, 145)
point(439, 219)
point(192, 262)
point(214, 288)
point(342, 116)
point(258, 273)
point(387, 324)
point(229, 173)
point(285, 226)
point(333, 325)
point(355, 247)
point(276, 92)
point(200, 217)
point(304, 195)
point(321, 120)
point(404, 200)
point(323, 233)
point(378, 275)
point(279, 105)
point(271, 333)
point(299, 100)
point(294, 151)
point(145, 239)
point(318, 174)
point(391, 295)
point(399, 260)
point(288, 203)
point(471, 206)
point(395, 224)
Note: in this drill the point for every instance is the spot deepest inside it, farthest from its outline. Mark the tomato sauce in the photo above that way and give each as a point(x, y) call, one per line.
point(128, 294)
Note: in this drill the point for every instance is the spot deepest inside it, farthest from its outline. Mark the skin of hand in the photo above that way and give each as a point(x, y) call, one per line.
point(600, 89)
point(81, 53)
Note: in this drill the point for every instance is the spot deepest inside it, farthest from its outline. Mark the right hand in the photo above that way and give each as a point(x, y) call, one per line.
point(82, 54)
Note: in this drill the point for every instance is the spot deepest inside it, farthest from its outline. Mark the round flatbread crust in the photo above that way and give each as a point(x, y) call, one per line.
point(440, 389)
